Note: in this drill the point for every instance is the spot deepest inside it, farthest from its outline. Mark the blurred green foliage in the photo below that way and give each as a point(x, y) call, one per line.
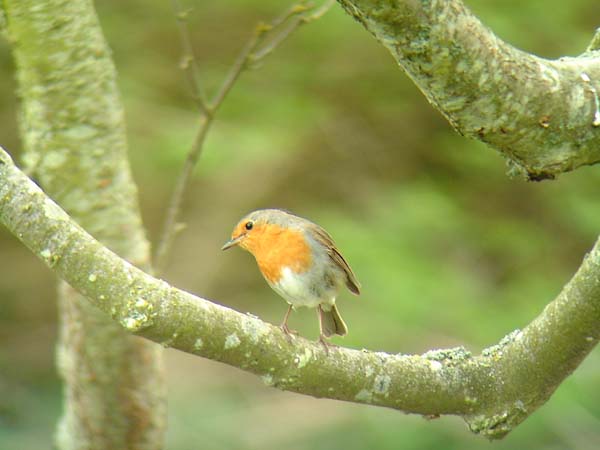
point(449, 250)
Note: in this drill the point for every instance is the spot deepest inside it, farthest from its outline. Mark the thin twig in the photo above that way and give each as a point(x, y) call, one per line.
point(232, 76)
point(274, 42)
point(171, 227)
point(255, 50)
point(320, 11)
point(189, 63)
point(295, 24)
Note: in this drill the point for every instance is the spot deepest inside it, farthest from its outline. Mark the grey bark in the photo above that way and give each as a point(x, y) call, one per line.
point(493, 392)
point(542, 115)
point(72, 127)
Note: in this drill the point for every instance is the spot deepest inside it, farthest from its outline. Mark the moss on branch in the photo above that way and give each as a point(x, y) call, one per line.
point(493, 392)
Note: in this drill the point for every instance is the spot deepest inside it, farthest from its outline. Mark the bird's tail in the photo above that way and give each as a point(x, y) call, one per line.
point(331, 321)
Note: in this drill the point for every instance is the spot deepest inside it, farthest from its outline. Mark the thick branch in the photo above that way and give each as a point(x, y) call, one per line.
point(540, 114)
point(493, 392)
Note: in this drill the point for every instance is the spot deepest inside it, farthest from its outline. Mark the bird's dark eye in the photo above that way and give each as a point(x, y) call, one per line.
point(249, 225)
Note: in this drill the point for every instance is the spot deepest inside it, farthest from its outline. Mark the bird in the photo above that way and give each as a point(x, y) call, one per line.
point(300, 262)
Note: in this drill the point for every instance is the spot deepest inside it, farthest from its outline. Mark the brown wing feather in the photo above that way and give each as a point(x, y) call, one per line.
point(324, 238)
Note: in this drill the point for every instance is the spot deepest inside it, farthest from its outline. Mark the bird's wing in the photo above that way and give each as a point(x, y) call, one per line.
point(324, 238)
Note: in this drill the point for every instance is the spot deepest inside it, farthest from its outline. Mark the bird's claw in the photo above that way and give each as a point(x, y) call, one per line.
point(287, 330)
point(326, 344)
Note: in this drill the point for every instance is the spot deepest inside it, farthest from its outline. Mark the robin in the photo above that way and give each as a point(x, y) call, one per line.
point(300, 262)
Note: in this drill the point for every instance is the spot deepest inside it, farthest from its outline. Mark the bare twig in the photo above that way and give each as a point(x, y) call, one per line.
point(297, 22)
point(171, 227)
point(189, 63)
point(238, 67)
point(264, 40)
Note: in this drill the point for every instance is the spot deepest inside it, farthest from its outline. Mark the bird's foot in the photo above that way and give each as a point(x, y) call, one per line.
point(287, 330)
point(326, 344)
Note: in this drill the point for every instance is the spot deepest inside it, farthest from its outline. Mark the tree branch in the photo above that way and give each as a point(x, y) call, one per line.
point(539, 114)
point(264, 40)
point(189, 63)
point(493, 392)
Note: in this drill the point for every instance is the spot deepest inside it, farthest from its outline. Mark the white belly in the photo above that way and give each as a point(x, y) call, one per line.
point(298, 290)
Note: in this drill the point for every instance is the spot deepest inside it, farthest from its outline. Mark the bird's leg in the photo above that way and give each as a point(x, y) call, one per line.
point(322, 337)
point(284, 326)
point(326, 345)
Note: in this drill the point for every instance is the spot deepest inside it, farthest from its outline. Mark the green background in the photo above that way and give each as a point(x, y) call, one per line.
point(449, 250)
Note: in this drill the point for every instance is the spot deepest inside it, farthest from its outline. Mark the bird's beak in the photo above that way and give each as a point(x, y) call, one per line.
point(232, 242)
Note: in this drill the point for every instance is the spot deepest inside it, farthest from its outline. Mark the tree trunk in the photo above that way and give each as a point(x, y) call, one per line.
point(72, 126)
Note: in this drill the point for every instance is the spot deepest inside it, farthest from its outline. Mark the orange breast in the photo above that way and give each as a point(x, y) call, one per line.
point(275, 247)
